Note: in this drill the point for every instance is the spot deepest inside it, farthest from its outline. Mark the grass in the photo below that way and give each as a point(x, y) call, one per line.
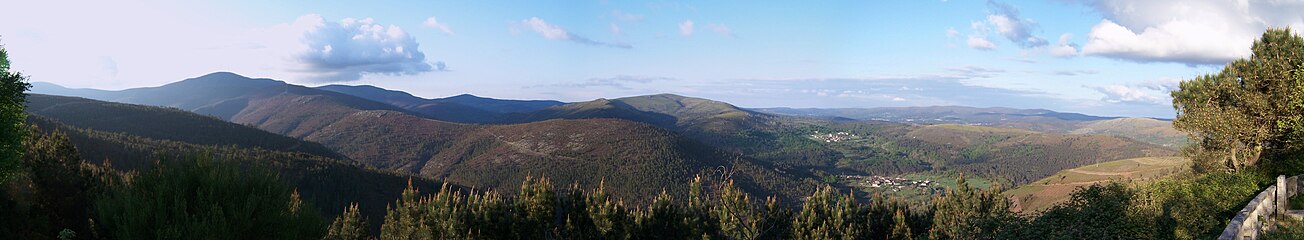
point(1047, 192)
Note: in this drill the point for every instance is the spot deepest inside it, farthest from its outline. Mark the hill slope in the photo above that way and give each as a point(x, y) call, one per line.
point(1047, 192)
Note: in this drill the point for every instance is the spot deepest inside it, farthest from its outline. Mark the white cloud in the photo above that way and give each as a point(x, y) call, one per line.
point(345, 50)
point(554, 32)
point(951, 32)
point(1009, 24)
point(431, 22)
point(1193, 32)
point(980, 43)
point(615, 29)
point(686, 28)
point(1064, 48)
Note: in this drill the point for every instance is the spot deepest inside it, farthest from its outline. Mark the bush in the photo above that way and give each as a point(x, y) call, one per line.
point(1200, 206)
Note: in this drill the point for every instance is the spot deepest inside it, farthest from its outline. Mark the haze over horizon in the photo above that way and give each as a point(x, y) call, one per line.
point(1108, 58)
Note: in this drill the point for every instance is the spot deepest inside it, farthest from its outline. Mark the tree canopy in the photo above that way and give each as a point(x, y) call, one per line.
point(12, 86)
point(1253, 107)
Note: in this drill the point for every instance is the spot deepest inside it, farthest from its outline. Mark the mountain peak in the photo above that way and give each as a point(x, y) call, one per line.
point(222, 75)
point(465, 96)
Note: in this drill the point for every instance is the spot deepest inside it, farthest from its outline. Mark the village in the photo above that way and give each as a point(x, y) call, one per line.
point(893, 184)
point(832, 137)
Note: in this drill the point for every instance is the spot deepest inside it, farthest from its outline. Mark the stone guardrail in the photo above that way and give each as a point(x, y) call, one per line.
point(1260, 215)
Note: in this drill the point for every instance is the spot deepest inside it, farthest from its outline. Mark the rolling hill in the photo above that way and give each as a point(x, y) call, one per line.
point(1047, 192)
point(1148, 130)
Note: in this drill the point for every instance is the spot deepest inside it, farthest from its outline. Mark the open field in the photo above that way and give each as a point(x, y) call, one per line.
point(1047, 192)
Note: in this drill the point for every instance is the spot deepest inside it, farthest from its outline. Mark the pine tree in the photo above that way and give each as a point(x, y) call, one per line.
point(348, 226)
point(828, 215)
point(966, 213)
point(900, 229)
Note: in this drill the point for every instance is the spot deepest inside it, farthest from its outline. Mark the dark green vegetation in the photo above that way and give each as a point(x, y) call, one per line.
point(199, 198)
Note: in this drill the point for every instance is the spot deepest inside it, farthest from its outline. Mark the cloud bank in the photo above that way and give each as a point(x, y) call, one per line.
point(1195, 32)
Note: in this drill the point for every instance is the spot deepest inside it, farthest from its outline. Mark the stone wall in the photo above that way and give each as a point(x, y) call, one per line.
point(1260, 214)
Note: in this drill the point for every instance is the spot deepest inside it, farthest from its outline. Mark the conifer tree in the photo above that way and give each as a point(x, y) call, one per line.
point(900, 229)
point(348, 226)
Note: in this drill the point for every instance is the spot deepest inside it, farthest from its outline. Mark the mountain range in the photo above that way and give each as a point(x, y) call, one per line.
point(635, 146)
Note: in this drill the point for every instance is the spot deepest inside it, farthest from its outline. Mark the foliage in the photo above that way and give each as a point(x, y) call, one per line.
point(1252, 107)
point(203, 198)
point(12, 130)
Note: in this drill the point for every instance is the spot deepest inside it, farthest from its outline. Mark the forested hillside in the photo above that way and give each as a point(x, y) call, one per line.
point(164, 124)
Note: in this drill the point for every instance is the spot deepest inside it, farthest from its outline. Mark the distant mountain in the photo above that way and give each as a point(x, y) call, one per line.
point(463, 108)
point(1040, 120)
point(164, 124)
point(1155, 131)
point(500, 105)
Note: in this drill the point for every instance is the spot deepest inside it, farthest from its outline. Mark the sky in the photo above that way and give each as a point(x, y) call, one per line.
point(1100, 57)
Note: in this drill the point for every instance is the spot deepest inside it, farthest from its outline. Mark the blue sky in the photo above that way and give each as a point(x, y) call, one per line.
point(1102, 57)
